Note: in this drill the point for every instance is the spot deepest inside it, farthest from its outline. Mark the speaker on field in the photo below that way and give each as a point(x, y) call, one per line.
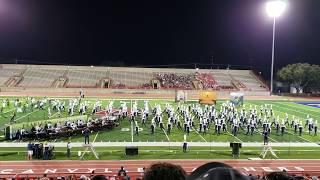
point(235, 148)
point(131, 150)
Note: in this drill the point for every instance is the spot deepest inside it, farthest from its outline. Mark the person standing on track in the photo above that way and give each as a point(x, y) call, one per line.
point(86, 134)
point(69, 150)
point(30, 150)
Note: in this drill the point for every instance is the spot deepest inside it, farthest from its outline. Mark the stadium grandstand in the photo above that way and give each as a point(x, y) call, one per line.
point(144, 80)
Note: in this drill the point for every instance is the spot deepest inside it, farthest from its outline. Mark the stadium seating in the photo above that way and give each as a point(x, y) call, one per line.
point(5, 74)
point(207, 80)
point(250, 82)
point(175, 81)
point(45, 76)
point(35, 77)
point(82, 78)
point(130, 79)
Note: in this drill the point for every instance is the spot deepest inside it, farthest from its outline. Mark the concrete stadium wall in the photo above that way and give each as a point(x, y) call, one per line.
point(106, 69)
point(119, 93)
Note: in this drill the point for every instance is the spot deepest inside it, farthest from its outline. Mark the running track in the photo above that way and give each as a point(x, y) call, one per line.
point(135, 166)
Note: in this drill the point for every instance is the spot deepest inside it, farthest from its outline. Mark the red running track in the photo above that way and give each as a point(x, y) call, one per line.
point(135, 166)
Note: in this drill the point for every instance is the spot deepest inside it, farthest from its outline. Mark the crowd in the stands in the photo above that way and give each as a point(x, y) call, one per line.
point(179, 81)
point(207, 80)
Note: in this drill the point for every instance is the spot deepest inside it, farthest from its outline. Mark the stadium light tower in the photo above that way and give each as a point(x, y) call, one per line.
point(274, 9)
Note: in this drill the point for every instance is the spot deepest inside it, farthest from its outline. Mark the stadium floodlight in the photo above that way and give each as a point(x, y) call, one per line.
point(274, 9)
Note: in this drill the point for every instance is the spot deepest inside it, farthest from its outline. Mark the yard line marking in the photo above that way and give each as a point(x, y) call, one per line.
point(296, 111)
point(300, 106)
point(199, 134)
point(53, 115)
point(197, 150)
point(302, 138)
point(166, 134)
point(95, 137)
point(268, 136)
point(9, 111)
point(131, 131)
point(26, 114)
point(234, 136)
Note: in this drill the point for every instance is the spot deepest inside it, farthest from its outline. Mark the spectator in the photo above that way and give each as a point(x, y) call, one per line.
point(83, 177)
point(122, 172)
point(279, 176)
point(206, 79)
point(167, 171)
point(92, 174)
point(180, 81)
point(45, 177)
point(99, 177)
point(216, 170)
point(30, 150)
point(69, 150)
point(86, 134)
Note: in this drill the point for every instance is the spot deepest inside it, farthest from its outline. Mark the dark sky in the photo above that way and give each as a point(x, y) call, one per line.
point(151, 32)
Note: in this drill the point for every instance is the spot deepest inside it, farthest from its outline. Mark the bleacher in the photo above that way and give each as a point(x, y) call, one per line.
point(84, 78)
point(251, 83)
point(6, 73)
point(222, 78)
point(175, 80)
point(130, 79)
point(207, 80)
point(35, 77)
point(45, 76)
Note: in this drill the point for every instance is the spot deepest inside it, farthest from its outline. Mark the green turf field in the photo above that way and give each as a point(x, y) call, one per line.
point(124, 132)
point(117, 153)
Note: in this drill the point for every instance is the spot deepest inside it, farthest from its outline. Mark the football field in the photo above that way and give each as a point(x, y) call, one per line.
point(125, 131)
point(161, 145)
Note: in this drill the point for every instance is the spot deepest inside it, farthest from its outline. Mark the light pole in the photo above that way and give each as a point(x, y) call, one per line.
point(274, 9)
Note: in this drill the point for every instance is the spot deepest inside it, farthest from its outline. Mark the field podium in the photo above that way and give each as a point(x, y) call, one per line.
point(207, 97)
point(91, 148)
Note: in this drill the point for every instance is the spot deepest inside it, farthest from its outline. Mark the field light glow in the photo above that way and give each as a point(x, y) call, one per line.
point(275, 8)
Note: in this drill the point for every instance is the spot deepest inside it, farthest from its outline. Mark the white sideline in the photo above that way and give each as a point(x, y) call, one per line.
point(176, 144)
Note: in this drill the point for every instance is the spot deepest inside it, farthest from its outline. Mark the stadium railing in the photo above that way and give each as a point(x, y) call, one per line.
point(255, 74)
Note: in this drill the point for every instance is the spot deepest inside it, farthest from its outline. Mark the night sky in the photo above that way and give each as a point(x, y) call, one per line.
point(134, 32)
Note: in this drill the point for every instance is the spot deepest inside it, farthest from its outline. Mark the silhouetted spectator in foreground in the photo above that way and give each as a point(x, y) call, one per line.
point(122, 172)
point(216, 170)
point(99, 177)
point(167, 171)
point(282, 175)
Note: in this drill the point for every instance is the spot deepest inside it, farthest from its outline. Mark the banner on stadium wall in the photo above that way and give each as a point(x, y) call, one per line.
point(181, 96)
point(207, 97)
